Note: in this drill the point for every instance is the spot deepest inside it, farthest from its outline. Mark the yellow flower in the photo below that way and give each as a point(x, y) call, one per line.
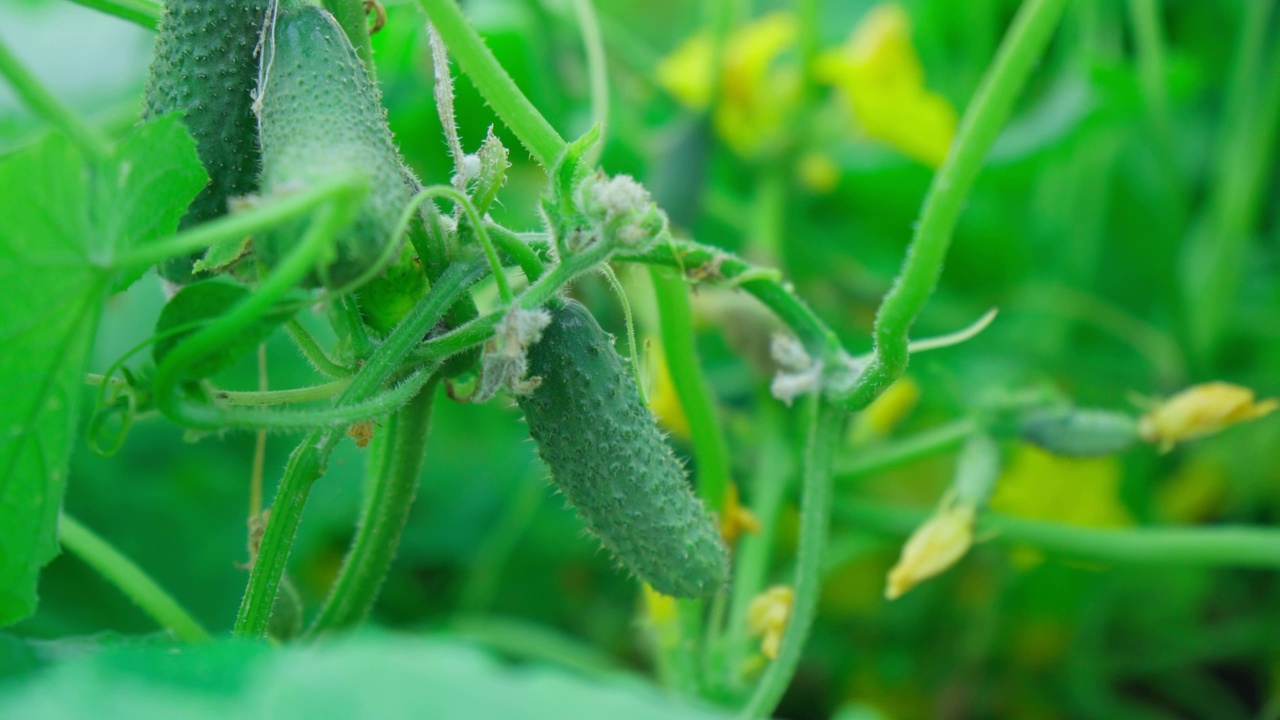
point(1078, 491)
point(1201, 410)
point(663, 400)
point(754, 93)
point(767, 616)
point(737, 519)
point(883, 80)
point(660, 609)
point(935, 546)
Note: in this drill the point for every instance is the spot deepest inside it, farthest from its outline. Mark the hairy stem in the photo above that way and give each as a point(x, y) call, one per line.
point(392, 485)
point(709, 447)
point(306, 464)
point(990, 108)
point(132, 580)
point(903, 452)
point(822, 424)
point(311, 350)
point(1218, 546)
point(497, 87)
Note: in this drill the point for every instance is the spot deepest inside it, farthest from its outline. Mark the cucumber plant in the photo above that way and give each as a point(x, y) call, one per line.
point(286, 122)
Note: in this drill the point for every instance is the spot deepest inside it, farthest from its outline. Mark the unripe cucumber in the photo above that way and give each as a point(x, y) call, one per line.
point(204, 65)
point(609, 459)
point(1079, 432)
point(321, 116)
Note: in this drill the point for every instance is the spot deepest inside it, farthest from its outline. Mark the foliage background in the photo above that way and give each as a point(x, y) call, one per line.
point(1072, 232)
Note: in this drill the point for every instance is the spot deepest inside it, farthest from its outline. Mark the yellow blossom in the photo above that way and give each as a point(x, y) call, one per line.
point(736, 519)
point(755, 94)
point(767, 616)
point(1039, 485)
point(881, 76)
point(660, 609)
point(663, 400)
point(935, 546)
point(1201, 410)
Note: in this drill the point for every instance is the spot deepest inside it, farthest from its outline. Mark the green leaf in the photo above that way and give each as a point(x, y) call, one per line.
point(202, 302)
point(382, 677)
point(62, 222)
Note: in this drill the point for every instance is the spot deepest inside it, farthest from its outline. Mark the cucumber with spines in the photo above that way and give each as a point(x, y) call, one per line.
point(321, 116)
point(610, 460)
point(204, 65)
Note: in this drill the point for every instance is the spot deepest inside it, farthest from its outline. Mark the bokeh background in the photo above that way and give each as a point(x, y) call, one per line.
point(1125, 225)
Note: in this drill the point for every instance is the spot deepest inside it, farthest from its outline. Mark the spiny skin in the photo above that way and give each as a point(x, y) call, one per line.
point(204, 65)
point(609, 459)
point(322, 116)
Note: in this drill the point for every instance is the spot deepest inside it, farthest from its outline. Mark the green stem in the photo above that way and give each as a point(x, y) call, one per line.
point(481, 233)
point(1219, 546)
point(710, 450)
point(772, 468)
point(720, 267)
point(389, 497)
point(493, 82)
point(132, 580)
point(597, 71)
point(511, 244)
point(903, 452)
point(32, 92)
point(241, 224)
point(990, 108)
point(145, 13)
point(1218, 255)
point(822, 424)
point(283, 397)
point(351, 18)
point(1150, 45)
point(481, 329)
point(307, 462)
point(311, 350)
point(327, 221)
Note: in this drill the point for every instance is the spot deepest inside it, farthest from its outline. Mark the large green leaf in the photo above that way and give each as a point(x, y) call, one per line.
point(63, 221)
point(371, 677)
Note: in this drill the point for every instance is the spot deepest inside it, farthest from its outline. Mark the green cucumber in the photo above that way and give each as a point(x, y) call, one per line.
point(321, 116)
point(1079, 432)
point(204, 65)
point(609, 459)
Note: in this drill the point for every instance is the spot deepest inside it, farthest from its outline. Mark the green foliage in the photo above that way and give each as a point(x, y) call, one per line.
point(367, 677)
point(57, 268)
point(198, 304)
point(610, 461)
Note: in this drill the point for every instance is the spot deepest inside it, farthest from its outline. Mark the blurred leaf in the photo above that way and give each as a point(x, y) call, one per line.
point(370, 677)
point(205, 301)
point(62, 221)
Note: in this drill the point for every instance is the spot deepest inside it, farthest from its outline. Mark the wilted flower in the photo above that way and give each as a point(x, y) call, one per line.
point(755, 94)
point(881, 76)
point(935, 546)
point(1201, 410)
point(767, 616)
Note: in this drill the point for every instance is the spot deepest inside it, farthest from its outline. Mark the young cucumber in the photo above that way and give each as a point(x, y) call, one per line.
point(204, 65)
point(609, 459)
point(319, 116)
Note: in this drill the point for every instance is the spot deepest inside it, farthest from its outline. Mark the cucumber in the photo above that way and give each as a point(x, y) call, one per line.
point(321, 116)
point(204, 65)
point(1079, 432)
point(609, 459)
